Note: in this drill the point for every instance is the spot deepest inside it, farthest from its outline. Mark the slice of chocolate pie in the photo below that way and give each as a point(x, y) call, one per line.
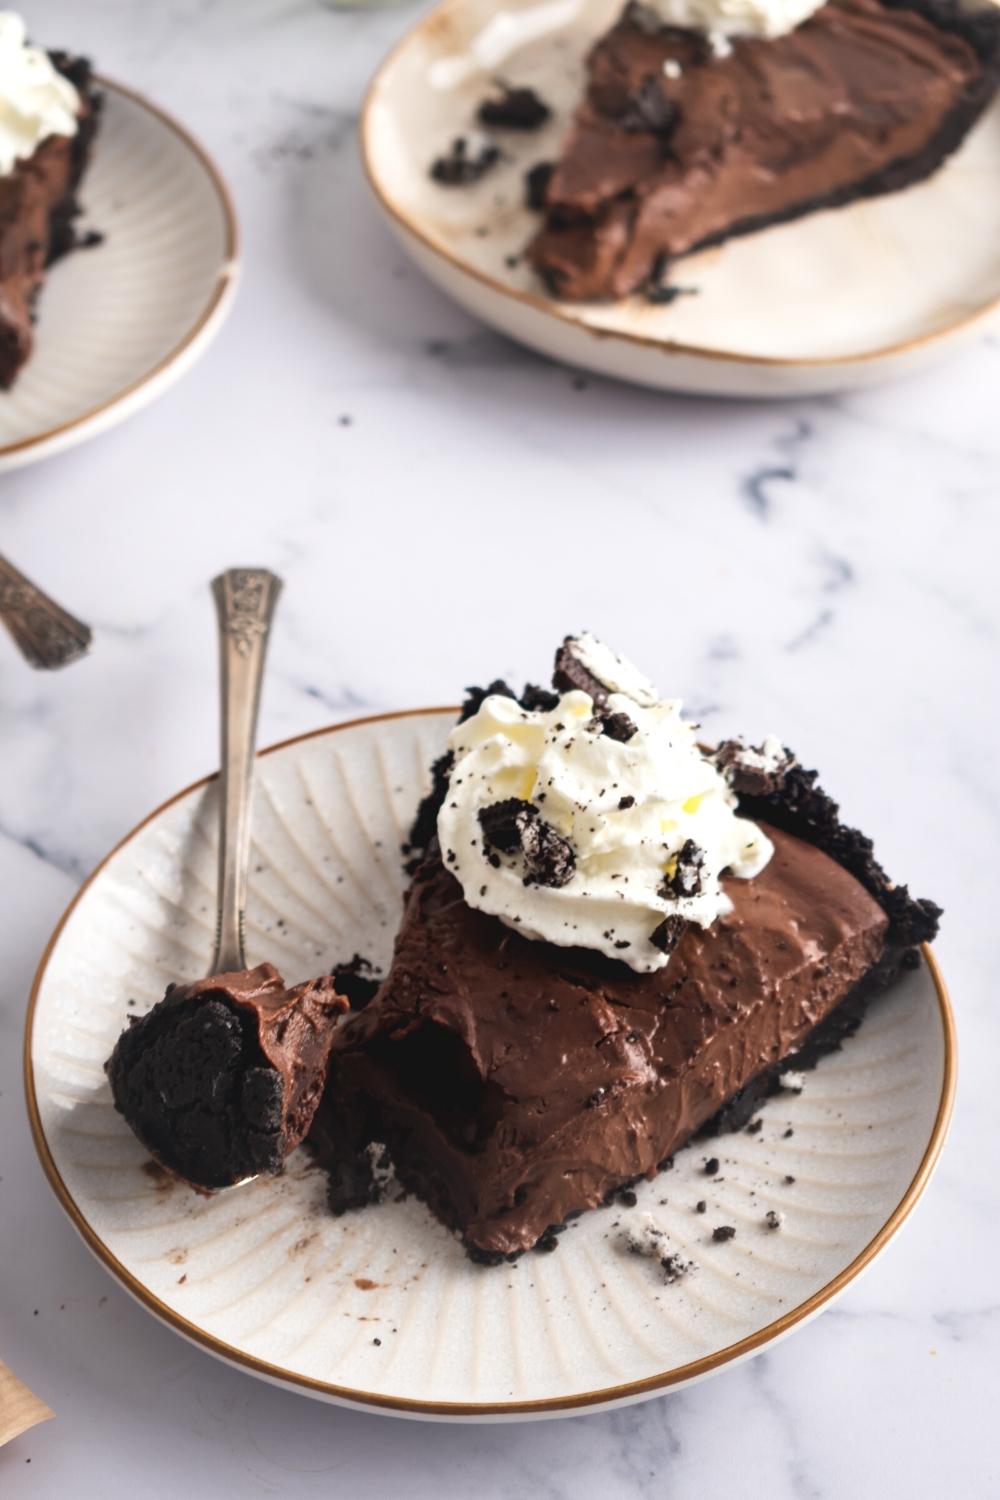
point(702, 121)
point(48, 117)
point(612, 940)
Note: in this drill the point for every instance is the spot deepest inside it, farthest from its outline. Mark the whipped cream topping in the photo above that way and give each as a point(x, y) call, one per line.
point(720, 20)
point(615, 827)
point(36, 101)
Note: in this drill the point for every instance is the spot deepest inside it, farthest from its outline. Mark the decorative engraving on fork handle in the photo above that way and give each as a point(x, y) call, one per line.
point(47, 635)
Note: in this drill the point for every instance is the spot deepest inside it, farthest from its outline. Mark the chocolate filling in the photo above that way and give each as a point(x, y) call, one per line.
point(38, 208)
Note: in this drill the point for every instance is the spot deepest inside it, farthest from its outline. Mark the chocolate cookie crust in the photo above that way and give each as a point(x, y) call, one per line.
point(221, 1079)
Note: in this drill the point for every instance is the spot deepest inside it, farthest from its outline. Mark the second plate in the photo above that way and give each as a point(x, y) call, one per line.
point(843, 298)
point(120, 322)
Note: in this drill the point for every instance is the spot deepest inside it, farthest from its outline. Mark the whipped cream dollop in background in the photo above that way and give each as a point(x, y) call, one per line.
point(36, 101)
point(626, 808)
point(720, 20)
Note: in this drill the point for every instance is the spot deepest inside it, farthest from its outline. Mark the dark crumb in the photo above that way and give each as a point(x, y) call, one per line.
point(536, 184)
point(548, 1242)
point(537, 698)
point(786, 1133)
point(467, 161)
point(90, 239)
point(626, 802)
point(773, 1218)
point(617, 727)
point(357, 981)
point(755, 1127)
point(514, 109)
point(377, 1343)
point(514, 825)
point(662, 294)
point(723, 1232)
point(668, 934)
point(595, 1098)
point(626, 1198)
point(674, 1267)
point(701, 1206)
point(512, 262)
point(711, 1166)
point(789, 1178)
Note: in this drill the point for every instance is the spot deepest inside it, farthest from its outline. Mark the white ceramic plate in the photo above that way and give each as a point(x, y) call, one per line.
point(843, 298)
point(117, 324)
point(265, 1278)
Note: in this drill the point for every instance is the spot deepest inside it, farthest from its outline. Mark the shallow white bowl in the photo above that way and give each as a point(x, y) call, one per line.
point(843, 298)
point(119, 323)
point(381, 1308)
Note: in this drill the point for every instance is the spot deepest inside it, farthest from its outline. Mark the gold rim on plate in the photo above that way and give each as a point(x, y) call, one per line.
point(223, 288)
point(433, 21)
point(406, 1406)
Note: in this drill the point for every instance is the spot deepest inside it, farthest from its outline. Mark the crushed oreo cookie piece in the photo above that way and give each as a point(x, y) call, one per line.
point(570, 674)
point(650, 109)
point(514, 109)
point(701, 1206)
point(625, 802)
point(711, 1166)
point(357, 981)
point(688, 877)
point(360, 1177)
point(774, 1218)
point(668, 934)
point(723, 1232)
point(536, 185)
point(753, 771)
point(616, 726)
point(468, 160)
point(538, 699)
point(650, 1241)
point(514, 825)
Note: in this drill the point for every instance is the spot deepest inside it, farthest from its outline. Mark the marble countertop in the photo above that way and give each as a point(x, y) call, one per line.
point(443, 506)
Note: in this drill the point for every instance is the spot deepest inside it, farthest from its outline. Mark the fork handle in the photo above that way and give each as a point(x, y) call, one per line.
point(48, 635)
point(245, 600)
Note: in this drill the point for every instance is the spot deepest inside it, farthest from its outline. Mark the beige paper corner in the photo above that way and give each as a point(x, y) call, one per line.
point(19, 1407)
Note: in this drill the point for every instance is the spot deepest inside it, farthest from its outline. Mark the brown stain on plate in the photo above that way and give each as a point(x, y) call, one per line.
point(162, 1180)
point(364, 1284)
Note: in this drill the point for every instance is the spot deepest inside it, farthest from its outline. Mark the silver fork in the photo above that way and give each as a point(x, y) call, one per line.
point(245, 599)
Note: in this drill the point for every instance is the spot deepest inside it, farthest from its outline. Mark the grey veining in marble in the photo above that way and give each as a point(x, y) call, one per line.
point(443, 506)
